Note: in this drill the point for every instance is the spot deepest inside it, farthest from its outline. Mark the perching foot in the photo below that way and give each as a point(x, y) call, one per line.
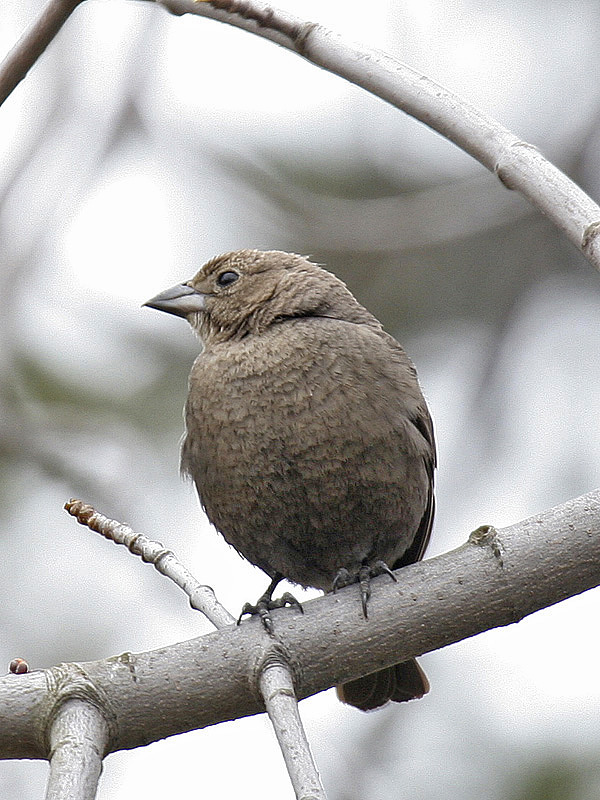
point(363, 578)
point(265, 604)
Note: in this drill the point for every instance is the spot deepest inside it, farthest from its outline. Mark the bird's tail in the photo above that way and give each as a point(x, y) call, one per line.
point(404, 681)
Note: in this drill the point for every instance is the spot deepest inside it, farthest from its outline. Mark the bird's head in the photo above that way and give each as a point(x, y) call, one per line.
point(246, 291)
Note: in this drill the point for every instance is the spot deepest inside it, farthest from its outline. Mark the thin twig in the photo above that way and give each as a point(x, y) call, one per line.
point(275, 678)
point(32, 44)
point(78, 738)
point(202, 598)
point(277, 689)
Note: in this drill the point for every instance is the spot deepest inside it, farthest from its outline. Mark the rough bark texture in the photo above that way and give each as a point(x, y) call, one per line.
point(495, 579)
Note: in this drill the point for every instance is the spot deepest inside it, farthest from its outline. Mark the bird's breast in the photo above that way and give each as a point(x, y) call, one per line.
point(300, 446)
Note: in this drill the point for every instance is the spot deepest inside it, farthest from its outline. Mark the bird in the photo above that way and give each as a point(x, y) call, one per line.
point(307, 435)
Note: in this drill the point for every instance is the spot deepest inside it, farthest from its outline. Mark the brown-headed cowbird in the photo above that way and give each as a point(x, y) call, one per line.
point(308, 438)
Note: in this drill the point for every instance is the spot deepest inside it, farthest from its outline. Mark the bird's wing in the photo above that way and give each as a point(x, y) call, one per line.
point(416, 551)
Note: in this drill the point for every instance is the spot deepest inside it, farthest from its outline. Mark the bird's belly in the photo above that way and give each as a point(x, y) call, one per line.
point(306, 513)
point(305, 465)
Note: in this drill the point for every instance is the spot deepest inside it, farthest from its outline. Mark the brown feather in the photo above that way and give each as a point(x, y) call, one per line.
point(307, 435)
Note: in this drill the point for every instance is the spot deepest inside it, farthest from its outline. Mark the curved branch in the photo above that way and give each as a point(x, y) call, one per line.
point(518, 164)
point(496, 578)
point(436, 215)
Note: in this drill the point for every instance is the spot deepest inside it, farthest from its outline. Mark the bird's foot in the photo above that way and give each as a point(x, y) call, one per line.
point(265, 604)
point(363, 578)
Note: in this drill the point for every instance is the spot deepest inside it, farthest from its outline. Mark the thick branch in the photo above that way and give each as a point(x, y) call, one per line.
point(496, 578)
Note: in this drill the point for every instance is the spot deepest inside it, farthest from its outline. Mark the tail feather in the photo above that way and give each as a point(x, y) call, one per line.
point(401, 682)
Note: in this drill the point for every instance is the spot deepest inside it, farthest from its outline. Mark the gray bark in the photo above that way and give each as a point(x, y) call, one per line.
point(496, 578)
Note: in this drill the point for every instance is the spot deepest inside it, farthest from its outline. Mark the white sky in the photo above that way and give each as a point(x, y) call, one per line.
point(211, 76)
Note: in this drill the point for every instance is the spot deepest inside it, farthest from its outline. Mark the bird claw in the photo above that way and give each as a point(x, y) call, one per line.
point(364, 582)
point(265, 604)
point(363, 578)
point(381, 568)
point(342, 578)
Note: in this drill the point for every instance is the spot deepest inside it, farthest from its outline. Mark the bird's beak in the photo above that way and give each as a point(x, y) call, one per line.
point(180, 300)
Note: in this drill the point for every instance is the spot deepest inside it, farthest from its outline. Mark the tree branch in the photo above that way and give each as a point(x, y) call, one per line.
point(32, 44)
point(496, 578)
point(275, 680)
point(518, 164)
point(433, 216)
point(281, 705)
point(78, 736)
point(202, 597)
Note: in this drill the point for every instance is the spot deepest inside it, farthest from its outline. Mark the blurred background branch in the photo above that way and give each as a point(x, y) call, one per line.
point(32, 44)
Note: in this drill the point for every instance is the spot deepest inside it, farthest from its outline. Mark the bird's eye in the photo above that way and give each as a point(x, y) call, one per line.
point(225, 278)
